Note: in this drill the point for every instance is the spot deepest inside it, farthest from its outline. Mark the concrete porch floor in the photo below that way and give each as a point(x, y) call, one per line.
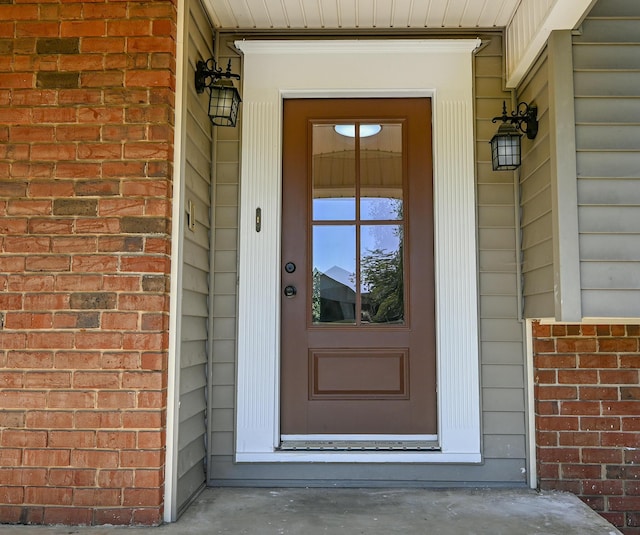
point(370, 512)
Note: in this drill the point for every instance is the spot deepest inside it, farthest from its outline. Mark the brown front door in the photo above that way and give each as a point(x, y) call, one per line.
point(358, 332)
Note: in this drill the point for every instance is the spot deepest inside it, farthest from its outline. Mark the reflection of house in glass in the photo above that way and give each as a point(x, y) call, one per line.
point(381, 292)
point(334, 296)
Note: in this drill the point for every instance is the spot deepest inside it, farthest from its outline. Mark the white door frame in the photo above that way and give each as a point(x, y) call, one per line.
point(439, 69)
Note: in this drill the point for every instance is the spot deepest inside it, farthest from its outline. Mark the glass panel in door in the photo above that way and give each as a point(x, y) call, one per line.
point(357, 229)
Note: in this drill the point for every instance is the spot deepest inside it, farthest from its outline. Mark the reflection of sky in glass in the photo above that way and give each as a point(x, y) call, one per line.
point(334, 209)
point(334, 246)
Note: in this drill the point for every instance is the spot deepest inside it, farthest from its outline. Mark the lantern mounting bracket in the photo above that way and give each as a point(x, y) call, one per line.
point(524, 118)
point(208, 73)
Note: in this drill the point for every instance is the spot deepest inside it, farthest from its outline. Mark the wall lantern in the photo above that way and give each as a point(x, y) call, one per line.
point(224, 98)
point(505, 145)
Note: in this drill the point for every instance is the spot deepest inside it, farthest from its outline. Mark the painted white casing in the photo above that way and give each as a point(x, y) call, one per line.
point(275, 70)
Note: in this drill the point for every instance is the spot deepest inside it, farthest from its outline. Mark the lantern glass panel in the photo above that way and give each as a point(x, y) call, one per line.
point(224, 103)
point(505, 149)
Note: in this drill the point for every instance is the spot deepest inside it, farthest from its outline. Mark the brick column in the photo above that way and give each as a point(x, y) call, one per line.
point(588, 416)
point(86, 139)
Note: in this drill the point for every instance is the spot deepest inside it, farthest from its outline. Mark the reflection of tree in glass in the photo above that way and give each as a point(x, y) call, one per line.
point(315, 296)
point(382, 208)
point(382, 276)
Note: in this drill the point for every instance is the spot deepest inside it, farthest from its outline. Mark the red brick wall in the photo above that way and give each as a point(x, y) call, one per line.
point(86, 129)
point(588, 416)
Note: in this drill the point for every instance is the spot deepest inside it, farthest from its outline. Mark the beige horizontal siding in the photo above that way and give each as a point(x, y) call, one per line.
point(607, 86)
point(536, 217)
point(193, 357)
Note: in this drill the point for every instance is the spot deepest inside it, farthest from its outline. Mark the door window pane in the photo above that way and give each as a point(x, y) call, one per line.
point(381, 174)
point(382, 274)
point(333, 295)
point(333, 174)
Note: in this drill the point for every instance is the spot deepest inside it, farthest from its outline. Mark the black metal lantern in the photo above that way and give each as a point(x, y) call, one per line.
point(224, 98)
point(506, 151)
point(505, 148)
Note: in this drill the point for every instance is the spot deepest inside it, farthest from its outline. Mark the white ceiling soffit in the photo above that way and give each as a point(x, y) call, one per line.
point(360, 14)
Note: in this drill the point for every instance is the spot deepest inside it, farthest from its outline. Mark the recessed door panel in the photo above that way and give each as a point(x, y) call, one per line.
point(337, 374)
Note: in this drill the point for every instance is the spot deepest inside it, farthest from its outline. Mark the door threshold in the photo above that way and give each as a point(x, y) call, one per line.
point(359, 442)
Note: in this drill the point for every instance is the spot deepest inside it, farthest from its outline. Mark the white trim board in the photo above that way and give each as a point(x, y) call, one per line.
point(177, 243)
point(440, 69)
point(532, 464)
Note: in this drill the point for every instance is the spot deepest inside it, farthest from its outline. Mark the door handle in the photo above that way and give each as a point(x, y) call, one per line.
point(290, 291)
